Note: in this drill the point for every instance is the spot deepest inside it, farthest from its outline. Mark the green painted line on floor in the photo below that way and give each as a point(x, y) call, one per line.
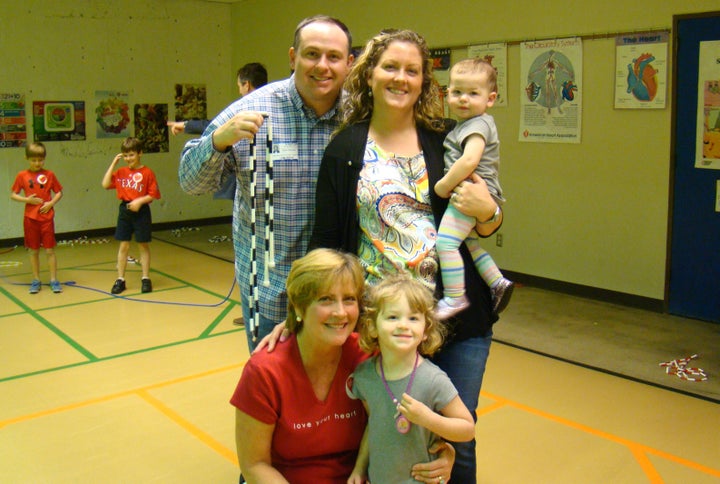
point(119, 355)
point(208, 331)
point(91, 358)
point(63, 336)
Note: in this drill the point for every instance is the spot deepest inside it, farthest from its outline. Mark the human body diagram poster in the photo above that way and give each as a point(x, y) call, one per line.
point(641, 71)
point(496, 55)
point(551, 108)
point(707, 147)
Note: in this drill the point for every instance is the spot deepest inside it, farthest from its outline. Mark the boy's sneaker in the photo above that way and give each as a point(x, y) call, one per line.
point(35, 286)
point(448, 307)
point(146, 285)
point(118, 287)
point(55, 286)
point(501, 294)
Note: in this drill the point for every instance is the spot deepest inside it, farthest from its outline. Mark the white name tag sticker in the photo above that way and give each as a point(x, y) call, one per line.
point(288, 151)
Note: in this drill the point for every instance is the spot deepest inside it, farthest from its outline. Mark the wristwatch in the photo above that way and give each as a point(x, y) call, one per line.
point(494, 218)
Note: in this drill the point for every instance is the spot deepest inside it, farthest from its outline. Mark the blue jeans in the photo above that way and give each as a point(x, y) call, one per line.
point(265, 326)
point(464, 362)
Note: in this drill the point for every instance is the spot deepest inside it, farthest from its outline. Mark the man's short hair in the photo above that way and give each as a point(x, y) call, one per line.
point(321, 19)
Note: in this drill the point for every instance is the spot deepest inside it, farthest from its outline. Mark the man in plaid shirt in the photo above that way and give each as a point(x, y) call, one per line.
point(303, 112)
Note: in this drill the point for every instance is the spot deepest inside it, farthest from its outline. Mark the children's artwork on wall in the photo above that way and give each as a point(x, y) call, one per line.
point(112, 114)
point(641, 70)
point(58, 120)
point(151, 127)
point(707, 145)
point(190, 101)
point(551, 90)
point(495, 54)
point(13, 123)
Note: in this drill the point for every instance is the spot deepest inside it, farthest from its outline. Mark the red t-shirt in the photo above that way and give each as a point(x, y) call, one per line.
point(314, 441)
point(42, 183)
point(131, 184)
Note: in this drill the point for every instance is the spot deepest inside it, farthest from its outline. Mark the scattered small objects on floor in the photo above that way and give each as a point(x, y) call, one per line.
point(83, 240)
point(680, 369)
point(179, 232)
point(219, 238)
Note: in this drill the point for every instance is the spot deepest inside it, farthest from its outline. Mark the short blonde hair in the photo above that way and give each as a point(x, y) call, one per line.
point(315, 273)
point(35, 150)
point(419, 299)
point(477, 65)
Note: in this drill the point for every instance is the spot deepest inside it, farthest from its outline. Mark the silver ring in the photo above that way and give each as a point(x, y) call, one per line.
point(441, 480)
point(453, 197)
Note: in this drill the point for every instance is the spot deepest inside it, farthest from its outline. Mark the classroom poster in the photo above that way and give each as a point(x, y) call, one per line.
point(495, 54)
point(13, 123)
point(58, 120)
point(707, 147)
point(112, 114)
point(641, 67)
point(190, 102)
point(151, 127)
point(551, 91)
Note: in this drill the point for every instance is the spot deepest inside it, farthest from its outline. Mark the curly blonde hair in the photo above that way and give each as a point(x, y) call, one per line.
point(357, 103)
point(419, 298)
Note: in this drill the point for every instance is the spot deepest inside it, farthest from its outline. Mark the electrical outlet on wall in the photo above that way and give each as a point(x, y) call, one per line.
point(499, 239)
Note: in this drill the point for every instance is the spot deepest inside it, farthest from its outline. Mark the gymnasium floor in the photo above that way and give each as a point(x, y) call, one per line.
point(95, 388)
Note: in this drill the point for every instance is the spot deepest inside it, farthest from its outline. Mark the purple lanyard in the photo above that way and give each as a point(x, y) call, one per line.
point(402, 424)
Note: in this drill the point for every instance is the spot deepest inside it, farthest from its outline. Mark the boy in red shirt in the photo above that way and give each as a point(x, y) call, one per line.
point(42, 191)
point(136, 187)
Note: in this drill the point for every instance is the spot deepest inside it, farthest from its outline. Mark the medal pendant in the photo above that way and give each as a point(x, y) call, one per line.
point(402, 424)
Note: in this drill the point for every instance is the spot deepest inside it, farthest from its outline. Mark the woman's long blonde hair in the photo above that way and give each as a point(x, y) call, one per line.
point(357, 104)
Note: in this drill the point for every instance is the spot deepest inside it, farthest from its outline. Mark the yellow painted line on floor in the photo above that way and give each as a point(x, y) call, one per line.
point(489, 408)
point(114, 396)
point(636, 448)
point(186, 425)
point(642, 458)
point(639, 451)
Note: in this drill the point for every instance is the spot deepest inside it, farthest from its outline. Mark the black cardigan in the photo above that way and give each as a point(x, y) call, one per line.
point(337, 225)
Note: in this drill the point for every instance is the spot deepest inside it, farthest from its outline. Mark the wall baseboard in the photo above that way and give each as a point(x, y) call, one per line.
point(589, 292)
point(110, 231)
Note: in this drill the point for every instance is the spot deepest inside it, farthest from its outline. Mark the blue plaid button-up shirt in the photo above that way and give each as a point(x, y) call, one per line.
point(299, 138)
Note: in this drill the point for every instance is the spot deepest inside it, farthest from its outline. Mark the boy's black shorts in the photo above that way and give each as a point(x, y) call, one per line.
point(138, 223)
